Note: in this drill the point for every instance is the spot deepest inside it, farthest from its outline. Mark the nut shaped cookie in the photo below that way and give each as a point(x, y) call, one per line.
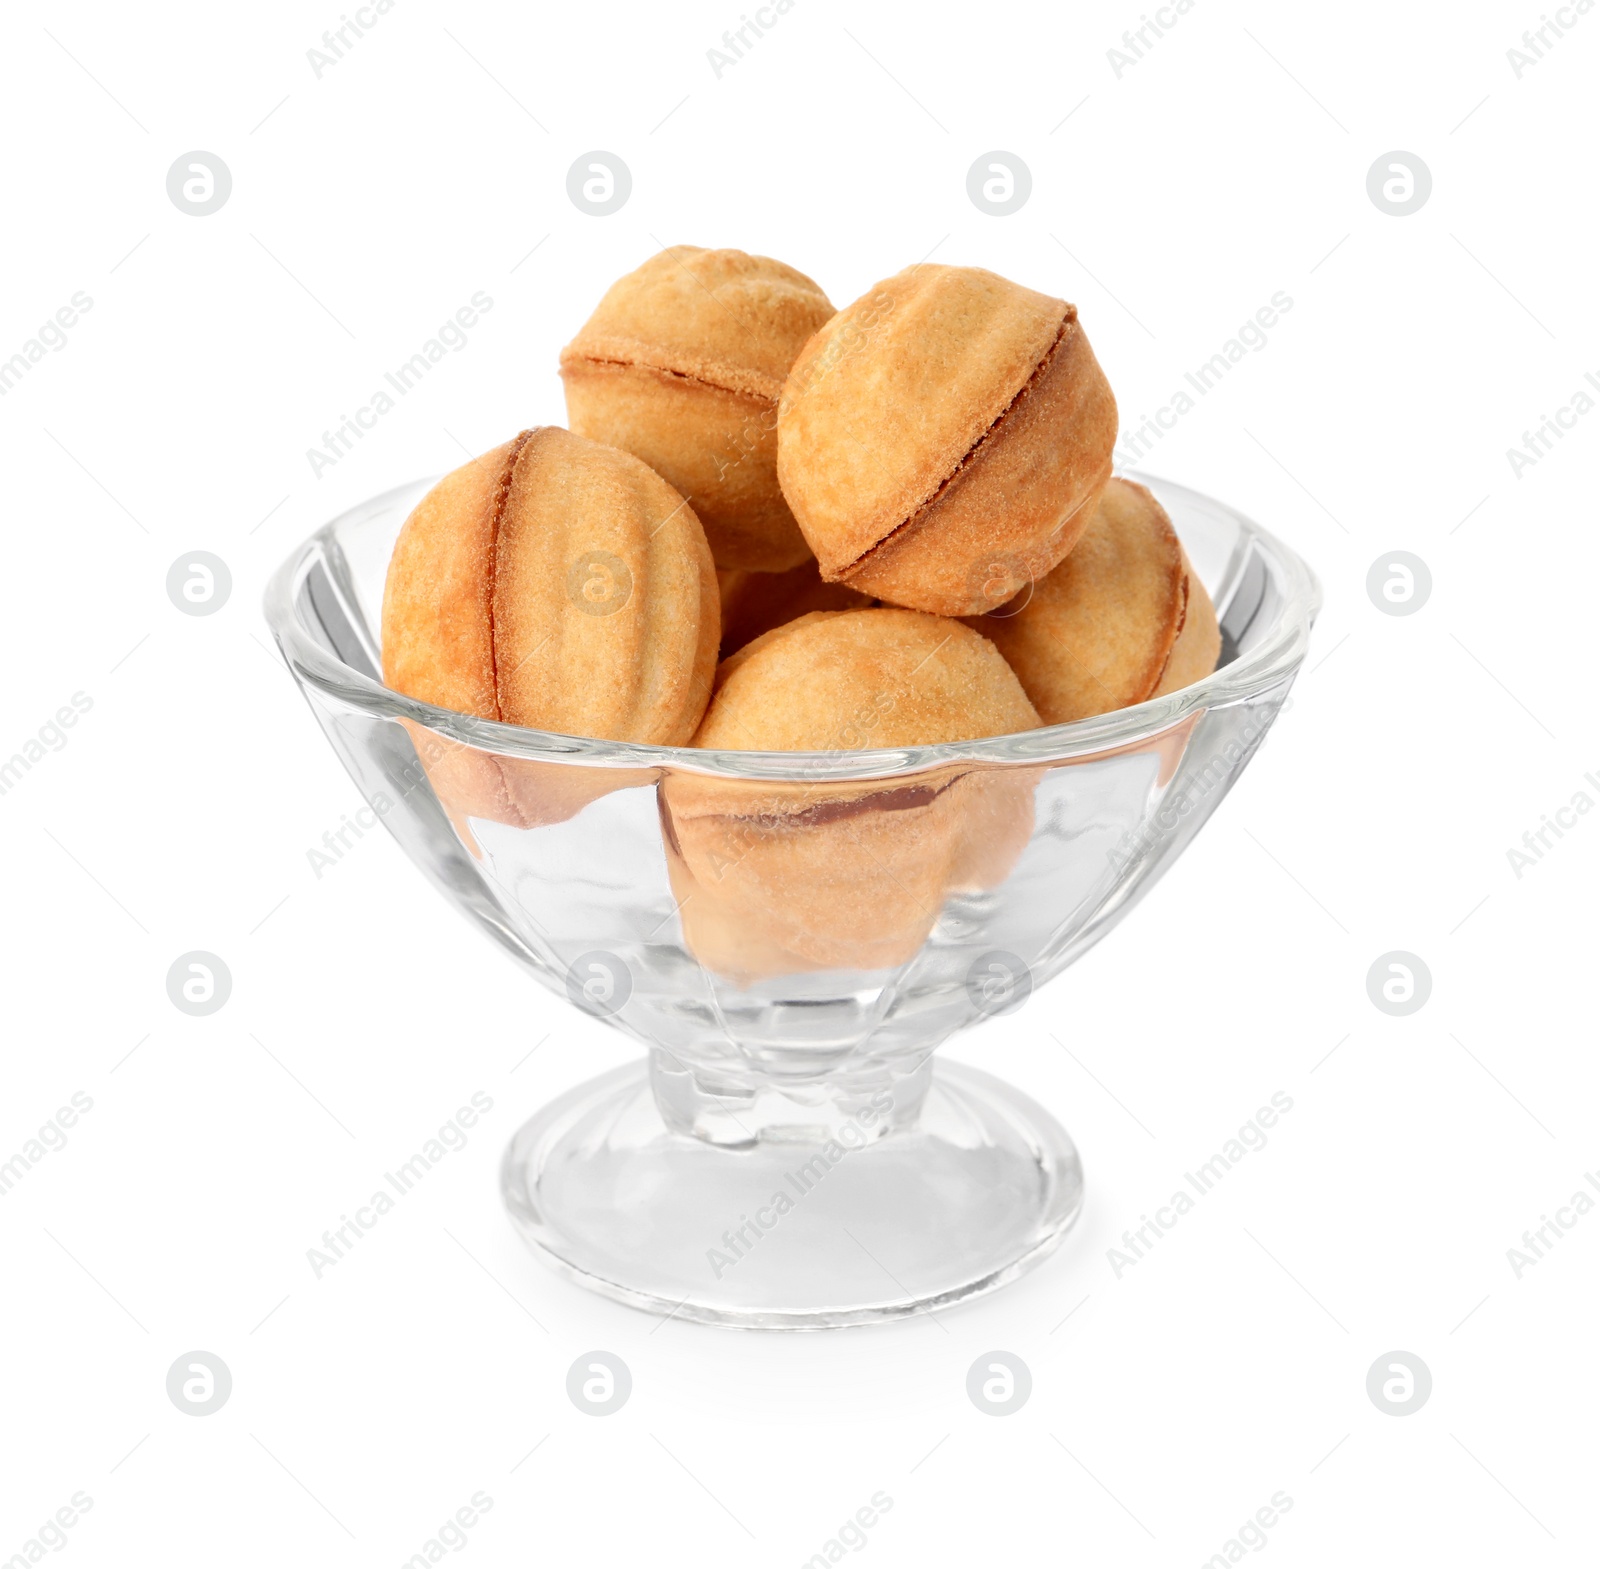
point(768, 884)
point(681, 364)
point(943, 440)
point(756, 602)
point(1102, 630)
point(849, 679)
point(774, 877)
point(998, 818)
point(558, 584)
point(1199, 642)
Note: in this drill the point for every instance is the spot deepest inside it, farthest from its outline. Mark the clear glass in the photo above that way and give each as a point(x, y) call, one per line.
point(792, 935)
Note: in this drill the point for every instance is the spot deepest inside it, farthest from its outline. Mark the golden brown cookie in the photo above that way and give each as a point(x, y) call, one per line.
point(558, 584)
point(942, 441)
point(1101, 631)
point(1199, 641)
point(848, 874)
point(681, 364)
point(777, 879)
point(844, 680)
point(997, 823)
point(755, 602)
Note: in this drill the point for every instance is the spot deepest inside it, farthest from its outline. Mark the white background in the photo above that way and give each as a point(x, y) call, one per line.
point(1168, 1405)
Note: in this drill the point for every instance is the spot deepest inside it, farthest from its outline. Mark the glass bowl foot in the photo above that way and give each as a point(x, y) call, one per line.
point(793, 1232)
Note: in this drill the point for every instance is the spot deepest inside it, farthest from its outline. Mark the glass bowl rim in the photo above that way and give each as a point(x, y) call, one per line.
point(1273, 660)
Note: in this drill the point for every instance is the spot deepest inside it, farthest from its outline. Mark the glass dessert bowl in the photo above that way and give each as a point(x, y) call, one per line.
point(792, 935)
